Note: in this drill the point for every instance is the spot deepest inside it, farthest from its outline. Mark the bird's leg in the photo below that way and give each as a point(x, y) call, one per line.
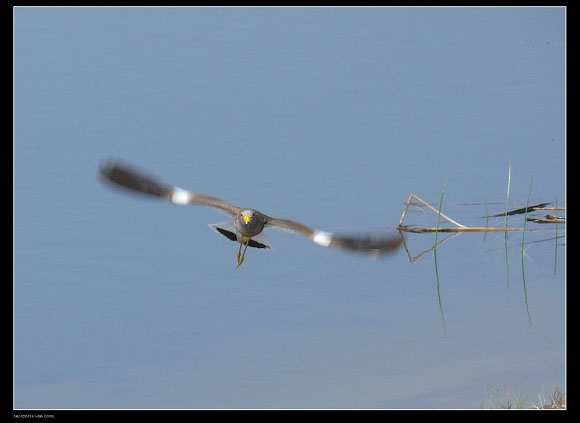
point(241, 259)
point(239, 252)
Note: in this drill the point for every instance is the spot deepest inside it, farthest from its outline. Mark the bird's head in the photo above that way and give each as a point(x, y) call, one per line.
point(247, 216)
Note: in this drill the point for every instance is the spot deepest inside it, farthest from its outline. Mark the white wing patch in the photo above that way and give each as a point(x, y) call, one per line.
point(180, 196)
point(322, 238)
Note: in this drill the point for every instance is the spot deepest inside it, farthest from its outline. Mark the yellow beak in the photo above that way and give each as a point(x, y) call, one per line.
point(247, 219)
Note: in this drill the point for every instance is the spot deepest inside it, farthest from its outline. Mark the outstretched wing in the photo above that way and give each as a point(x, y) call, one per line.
point(126, 176)
point(372, 244)
point(123, 175)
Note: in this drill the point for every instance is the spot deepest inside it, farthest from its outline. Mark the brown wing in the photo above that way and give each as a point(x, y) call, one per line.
point(128, 177)
point(373, 244)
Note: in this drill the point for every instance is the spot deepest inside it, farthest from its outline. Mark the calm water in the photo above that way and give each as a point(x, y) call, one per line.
point(331, 117)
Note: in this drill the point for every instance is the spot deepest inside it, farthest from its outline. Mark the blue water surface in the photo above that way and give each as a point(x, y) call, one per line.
point(328, 116)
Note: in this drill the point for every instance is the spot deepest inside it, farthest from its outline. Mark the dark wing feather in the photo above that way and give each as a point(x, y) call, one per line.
point(130, 178)
point(373, 244)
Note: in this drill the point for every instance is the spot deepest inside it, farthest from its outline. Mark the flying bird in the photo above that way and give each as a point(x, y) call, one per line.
point(248, 224)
